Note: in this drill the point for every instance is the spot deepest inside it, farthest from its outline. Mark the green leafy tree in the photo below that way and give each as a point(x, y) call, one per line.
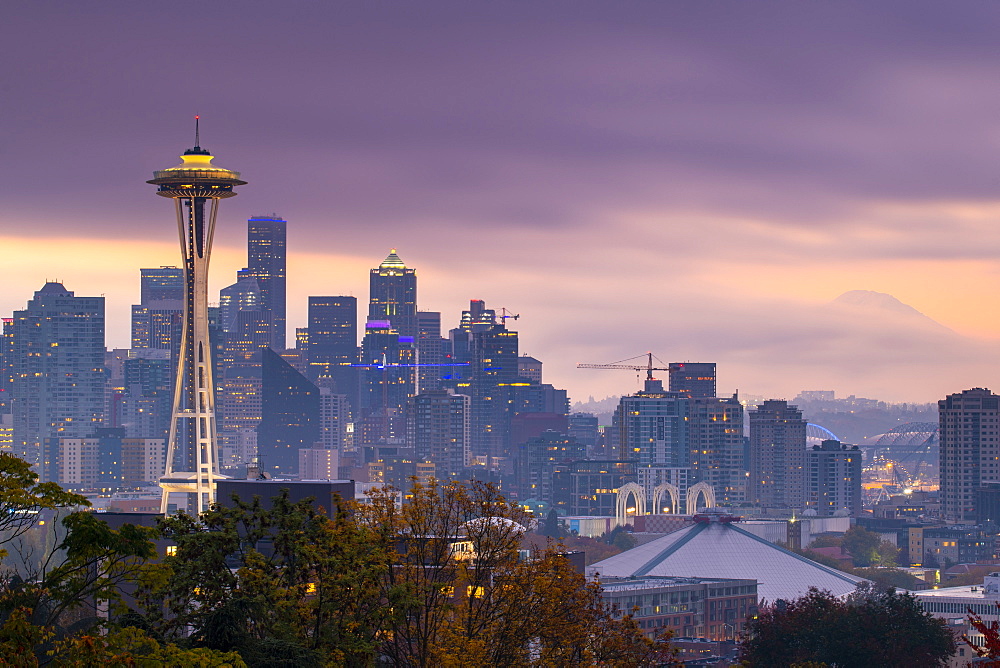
point(284, 583)
point(862, 544)
point(23, 498)
point(874, 626)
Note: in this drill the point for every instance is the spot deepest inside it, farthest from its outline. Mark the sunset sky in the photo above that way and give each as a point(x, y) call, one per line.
point(698, 179)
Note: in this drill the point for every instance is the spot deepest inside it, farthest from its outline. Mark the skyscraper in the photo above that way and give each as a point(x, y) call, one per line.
point(332, 335)
point(196, 186)
point(715, 440)
point(695, 379)
point(156, 319)
point(157, 284)
point(266, 264)
point(290, 415)
point(969, 429)
point(833, 479)
point(438, 430)
point(777, 455)
point(393, 295)
point(58, 363)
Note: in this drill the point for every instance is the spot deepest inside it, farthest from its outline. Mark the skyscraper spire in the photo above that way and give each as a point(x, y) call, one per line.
point(197, 132)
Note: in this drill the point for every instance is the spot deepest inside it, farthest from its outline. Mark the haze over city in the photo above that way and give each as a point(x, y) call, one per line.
point(700, 180)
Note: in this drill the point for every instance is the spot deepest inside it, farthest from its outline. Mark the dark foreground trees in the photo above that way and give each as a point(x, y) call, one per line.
point(440, 581)
point(874, 626)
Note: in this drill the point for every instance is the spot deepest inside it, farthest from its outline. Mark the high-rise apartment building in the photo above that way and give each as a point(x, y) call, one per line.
point(653, 427)
point(393, 295)
point(969, 429)
point(715, 441)
point(266, 264)
point(833, 479)
point(695, 379)
point(58, 353)
point(777, 456)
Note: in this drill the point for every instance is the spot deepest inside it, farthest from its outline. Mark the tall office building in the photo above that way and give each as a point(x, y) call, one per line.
point(332, 336)
point(7, 359)
point(156, 319)
point(290, 415)
point(438, 430)
point(157, 284)
point(833, 479)
point(393, 295)
point(330, 345)
point(430, 351)
point(494, 356)
point(777, 456)
point(58, 363)
point(266, 265)
point(243, 295)
point(695, 379)
point(969, 429)
point(387, 381)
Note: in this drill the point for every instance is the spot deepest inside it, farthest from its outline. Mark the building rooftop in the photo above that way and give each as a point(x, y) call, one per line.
point(721, 549)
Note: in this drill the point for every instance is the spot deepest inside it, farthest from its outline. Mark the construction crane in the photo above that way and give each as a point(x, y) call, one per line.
point(505, 314)
point(648, 368)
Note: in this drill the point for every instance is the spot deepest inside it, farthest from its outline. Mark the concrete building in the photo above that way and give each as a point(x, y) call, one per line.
point(777, 456)
point(318, 464)
point(539, 458)
point(143, 461)
point(691, 607)
point(970, 450)
point(591, 487)
point(833, 478)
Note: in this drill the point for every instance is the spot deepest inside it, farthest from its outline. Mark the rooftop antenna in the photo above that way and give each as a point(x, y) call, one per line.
point(197, 132)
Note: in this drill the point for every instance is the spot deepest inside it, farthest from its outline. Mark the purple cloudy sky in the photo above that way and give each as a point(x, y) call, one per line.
point(699, 179)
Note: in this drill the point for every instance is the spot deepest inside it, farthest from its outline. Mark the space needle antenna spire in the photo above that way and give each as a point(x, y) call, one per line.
point(197, 132)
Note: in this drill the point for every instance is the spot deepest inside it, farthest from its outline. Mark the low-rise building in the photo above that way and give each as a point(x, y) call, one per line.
point(713, 608)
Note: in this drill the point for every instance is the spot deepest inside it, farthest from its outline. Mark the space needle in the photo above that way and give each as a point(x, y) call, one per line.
point(192, 465)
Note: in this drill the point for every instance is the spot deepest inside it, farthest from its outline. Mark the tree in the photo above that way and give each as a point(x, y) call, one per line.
point(552, 527)
point(990, 648)
point(284, 582)
point(862, 544)
point(22, 498)
point(873, 626)
point(468, 598)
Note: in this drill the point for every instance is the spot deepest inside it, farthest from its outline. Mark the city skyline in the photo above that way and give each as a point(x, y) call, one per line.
point(699, 181)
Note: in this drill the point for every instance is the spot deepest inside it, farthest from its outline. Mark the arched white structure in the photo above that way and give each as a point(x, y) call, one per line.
point(626, 490)
point(674, 494)
point(692, 497)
